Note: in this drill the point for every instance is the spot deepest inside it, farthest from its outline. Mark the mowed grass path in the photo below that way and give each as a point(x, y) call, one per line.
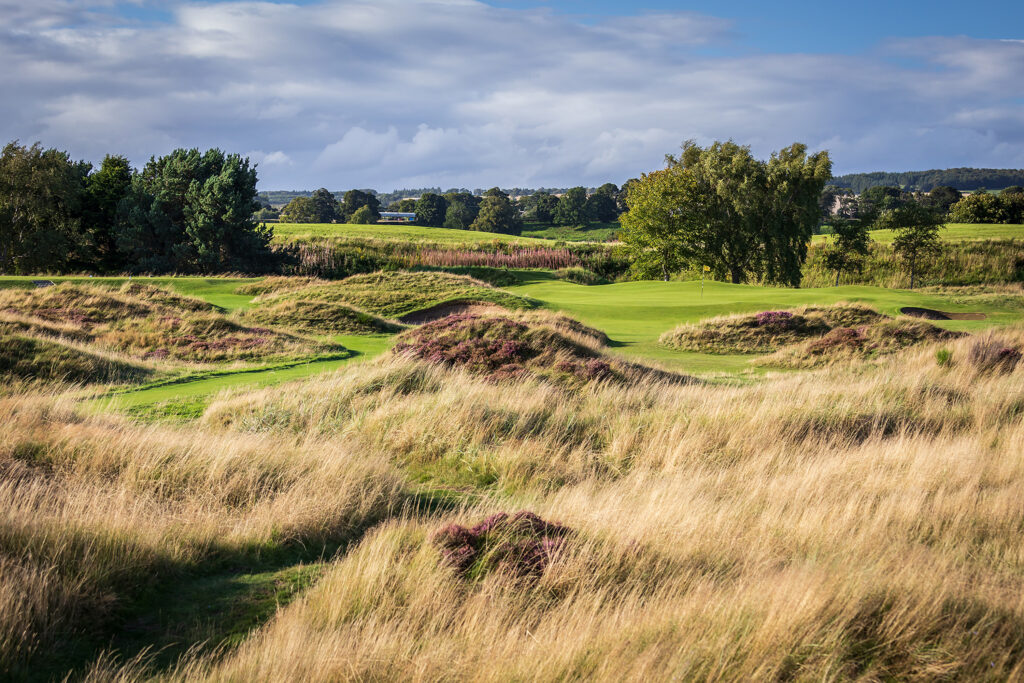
point(289, 232)
point(635, 314)
point(955, 232)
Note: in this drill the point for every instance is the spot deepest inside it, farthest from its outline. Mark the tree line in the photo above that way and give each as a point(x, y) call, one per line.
point(186, 212)
point(492, 211)
point(925, 181)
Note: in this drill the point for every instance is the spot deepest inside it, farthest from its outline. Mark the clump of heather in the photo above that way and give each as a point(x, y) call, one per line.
point(991, 355)
point(503, 348)
point(520, 545)
point(779, 319)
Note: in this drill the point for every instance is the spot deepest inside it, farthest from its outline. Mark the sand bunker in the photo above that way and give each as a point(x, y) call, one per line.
point(932, 314)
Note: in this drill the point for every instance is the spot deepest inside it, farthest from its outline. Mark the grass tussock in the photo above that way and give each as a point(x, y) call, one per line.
point(766, 331)
point(318, 317)
point(145, 323)
point(278, 283)
point(394, 294)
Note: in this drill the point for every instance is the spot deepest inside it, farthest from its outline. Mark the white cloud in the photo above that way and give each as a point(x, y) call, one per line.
point(353, 93)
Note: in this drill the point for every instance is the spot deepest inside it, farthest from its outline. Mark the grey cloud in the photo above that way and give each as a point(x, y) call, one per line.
point(392, 93)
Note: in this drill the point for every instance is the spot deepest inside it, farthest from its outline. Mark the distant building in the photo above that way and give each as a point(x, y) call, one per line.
point(396, 217)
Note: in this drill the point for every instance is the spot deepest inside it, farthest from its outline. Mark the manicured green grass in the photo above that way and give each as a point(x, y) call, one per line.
point(957, 232)
point(291, 232)
point(187, 399)
point(596, 232)
point(635, 314)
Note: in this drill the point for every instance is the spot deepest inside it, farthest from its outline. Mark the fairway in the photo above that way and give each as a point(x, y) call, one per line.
point(295, 232)
point(954, 232)
point(635, 314)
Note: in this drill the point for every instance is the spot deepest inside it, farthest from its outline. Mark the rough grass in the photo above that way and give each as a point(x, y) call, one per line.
point(277, 283)
point(766, 331)
point(866, 341)
point(94, 513)
point(29, 358)
point(317, 317)
point(850, 524)
point(145, 322)
point(393, 294)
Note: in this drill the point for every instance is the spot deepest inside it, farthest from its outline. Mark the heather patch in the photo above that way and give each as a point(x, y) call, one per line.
point(318, 317)
point(394, 294)
point(520, 545)
point(990, 354)
point(500, 347)
point(765, 331)
point(865, 341)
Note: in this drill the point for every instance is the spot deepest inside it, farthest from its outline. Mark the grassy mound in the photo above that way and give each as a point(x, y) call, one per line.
point(844, 343)
point(766, 331)
point(500, 347)
point(145, 322)
point(42, 359)
point(318, 317)
point(276, 284)
point(393, 294)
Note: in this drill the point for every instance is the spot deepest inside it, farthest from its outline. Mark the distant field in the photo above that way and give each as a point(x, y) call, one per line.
point(287, 232)
point(957, 232)
point(598, 232)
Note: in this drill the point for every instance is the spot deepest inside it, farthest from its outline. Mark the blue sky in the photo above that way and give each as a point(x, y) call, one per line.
point(404, 93)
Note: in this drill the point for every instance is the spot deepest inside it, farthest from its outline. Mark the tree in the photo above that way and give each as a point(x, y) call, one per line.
point(193, 212)
point(497, 214)
point(540, 207)
point(601, 207)
point(917, 234)
point(104, 190)
point(403, 205)
point(459, 215)
point(848, 247)
point(572, 207)
point(660, 229)
point(364, 215)
point(1013, 189)
point(942, 198)
point(355, 200)
point(299, 210)
point(324, 207)
point(430, 209)
point(41, 192)
point(745, 219)
point(978, 208)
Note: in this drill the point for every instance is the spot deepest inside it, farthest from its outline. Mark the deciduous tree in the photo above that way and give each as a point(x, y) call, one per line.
point(430, 209)
point(917, 235)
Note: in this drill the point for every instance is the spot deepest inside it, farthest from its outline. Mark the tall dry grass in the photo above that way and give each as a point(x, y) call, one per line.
point(863, 521)
point(93, 510)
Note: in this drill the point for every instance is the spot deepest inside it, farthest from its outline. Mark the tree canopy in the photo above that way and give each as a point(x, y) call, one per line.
point(497, 214)
point(718, 206)
point(572, 207)
point(917, 234)
point(430, 209)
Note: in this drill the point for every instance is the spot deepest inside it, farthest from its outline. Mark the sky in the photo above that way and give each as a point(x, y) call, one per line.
point(390, 94)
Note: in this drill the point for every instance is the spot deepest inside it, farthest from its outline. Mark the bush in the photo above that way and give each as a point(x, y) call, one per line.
point(580, 276)
point(519, 545)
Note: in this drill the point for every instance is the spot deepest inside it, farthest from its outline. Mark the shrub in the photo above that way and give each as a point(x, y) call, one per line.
point(519, 545)
point(580, 276)
point(943, 357)
point(988, 354)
